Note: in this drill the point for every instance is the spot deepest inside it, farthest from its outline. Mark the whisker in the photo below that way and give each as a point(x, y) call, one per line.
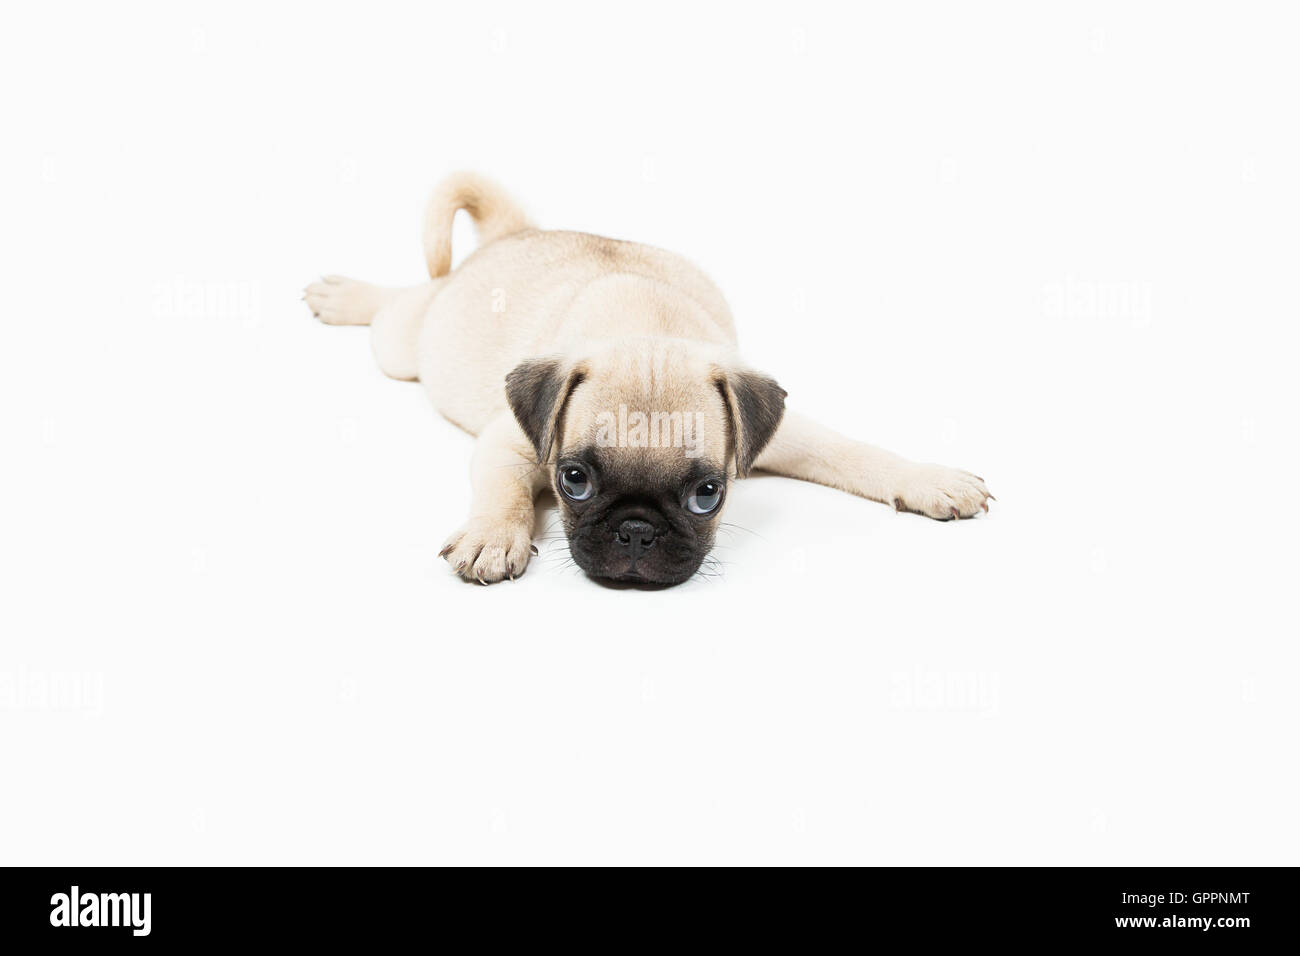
point(731, 526)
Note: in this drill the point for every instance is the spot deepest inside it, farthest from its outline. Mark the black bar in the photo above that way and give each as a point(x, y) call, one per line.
point(1226, 908)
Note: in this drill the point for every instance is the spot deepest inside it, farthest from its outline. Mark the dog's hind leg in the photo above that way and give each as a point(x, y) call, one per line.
point(395, 317)
point(395, 331)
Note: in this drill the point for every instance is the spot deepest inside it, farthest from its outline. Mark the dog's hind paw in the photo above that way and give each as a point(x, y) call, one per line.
point(337, 300)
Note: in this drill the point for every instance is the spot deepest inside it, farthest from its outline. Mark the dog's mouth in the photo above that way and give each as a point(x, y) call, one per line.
point(637, 571)
point(635, 578)
point(647, 571)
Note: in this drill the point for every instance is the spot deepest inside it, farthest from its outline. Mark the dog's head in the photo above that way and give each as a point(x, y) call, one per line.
point(640, 437)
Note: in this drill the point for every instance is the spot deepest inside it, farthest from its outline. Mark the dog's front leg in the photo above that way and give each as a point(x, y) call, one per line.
point(496, 541)
point(801, 448)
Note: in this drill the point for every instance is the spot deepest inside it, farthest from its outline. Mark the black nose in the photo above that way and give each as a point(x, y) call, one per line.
point(636, 536)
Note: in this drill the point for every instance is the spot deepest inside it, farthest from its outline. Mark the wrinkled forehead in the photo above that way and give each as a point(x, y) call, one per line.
point(680, 420)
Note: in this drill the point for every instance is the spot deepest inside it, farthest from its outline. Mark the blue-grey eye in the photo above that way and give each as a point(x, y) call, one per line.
point(705, 498)
point(575, 483)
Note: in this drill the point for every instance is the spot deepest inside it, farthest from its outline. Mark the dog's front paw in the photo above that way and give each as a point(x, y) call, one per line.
point(488, 551)
point(941, 493)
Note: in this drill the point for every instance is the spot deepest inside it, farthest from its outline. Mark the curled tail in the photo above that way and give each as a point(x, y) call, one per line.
point(494, 213)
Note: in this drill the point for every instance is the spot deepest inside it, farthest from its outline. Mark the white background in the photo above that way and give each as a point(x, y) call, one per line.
point(1057, 248)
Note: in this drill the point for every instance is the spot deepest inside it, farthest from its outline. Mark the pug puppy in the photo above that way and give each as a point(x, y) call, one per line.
point(608, 371)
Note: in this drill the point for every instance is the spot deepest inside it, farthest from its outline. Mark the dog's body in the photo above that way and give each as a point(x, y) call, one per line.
point(545, 345)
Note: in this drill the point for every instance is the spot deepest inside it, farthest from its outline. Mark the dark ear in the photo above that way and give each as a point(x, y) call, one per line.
point(755, 404)
point(537, 391)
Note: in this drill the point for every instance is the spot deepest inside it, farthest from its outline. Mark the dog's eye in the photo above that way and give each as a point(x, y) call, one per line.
point(575, 483)
point(705, 498)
